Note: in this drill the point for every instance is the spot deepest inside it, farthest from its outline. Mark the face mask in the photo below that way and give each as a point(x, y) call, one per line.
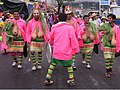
point(36, 13)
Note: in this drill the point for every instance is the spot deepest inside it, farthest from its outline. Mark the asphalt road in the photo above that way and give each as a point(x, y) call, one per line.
point(25, 78)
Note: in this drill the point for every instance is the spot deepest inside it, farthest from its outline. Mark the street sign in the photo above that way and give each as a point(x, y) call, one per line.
point(118, 2)
point(104, 2)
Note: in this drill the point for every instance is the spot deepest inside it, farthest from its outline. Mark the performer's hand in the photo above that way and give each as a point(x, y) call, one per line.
point(79, 39)
point(85, 29)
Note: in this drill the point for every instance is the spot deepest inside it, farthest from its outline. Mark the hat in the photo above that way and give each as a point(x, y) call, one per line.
point(68, 10)
point(103, 17)
point(93, 15)
point(1, 24)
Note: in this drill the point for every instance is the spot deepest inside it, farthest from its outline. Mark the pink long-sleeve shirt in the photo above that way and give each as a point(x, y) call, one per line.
point(3, 43)
point(117, 37)
point(31, 27)
point(22, 27)
point(64, 41)
point(77, 28)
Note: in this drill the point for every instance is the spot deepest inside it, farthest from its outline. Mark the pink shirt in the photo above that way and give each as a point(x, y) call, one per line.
point(117, 36)
point(64, 41)
point(77, 28)
point(31, 27)
point(3, 43)
point(22, 27)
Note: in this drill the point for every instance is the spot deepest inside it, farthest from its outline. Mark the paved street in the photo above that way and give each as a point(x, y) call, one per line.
point(12, 78)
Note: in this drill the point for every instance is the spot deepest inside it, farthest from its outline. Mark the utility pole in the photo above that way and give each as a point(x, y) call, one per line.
point(46, 2)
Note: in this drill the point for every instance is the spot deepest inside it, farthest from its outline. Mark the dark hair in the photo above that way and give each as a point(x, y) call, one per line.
point(112, 15)
point(85, 16)
point(16, 11)
point(62, 17)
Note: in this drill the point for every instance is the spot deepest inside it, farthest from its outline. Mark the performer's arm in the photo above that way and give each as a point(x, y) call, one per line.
point(74, 41)
point(28, 33)
point(51, 37)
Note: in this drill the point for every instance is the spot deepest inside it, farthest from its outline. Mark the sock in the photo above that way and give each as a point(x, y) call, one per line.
point(39, 57)
point(50, 70)
point(70, 73)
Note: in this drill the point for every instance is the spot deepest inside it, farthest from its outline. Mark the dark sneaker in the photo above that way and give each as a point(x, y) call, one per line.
point(71, 82)
point(111, 71)
point(74, 67)
point(48, 82)
point(107, 75)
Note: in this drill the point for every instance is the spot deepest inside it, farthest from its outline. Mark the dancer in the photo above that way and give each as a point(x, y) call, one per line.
point(65, 44)
point(36, 36)
point(89, 34)
point(71, 20)
point(15, 34)
point(111, 42)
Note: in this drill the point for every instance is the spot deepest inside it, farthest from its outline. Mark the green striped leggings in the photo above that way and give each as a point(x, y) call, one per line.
point(109, 55)
point(34, 58)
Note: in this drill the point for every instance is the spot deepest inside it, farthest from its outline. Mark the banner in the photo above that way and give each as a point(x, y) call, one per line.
point(13, 6)
point(104, 2)
point(118, 2)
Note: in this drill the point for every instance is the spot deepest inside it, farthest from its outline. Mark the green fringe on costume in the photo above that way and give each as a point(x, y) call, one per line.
point(106, 27)
point(88, 41)
point(93, 28)
point(8, 29)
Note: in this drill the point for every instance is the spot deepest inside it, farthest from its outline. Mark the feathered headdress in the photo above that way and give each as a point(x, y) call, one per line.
point(36, 5)
point(68, 10)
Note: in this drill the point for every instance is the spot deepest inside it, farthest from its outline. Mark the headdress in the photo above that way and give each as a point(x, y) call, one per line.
point(68, 10)
point(103, 17)
point(93, 15)
point(1, 24)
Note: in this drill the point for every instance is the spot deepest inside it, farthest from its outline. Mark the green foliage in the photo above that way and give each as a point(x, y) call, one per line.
point(8, 29)
point(43, 22)
point(93, 28)
point(29, 18)
point(106, 27)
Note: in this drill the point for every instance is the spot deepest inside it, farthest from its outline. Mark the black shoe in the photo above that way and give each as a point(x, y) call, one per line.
point(107, 74)
point(74, 67)
point(111, 71)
